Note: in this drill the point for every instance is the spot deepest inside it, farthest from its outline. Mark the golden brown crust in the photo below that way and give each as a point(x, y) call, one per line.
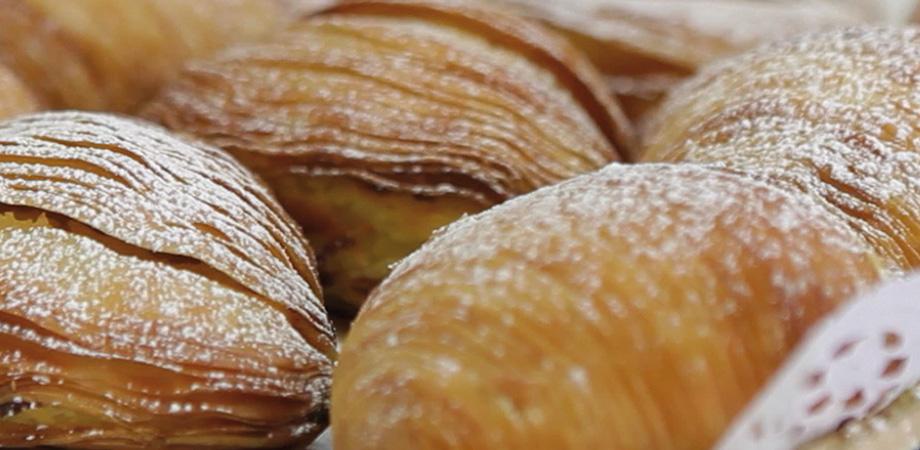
point(572, 71)
point(430, 109)
point(113, 54)
point(154, 292)
point(832, 114)
point(15, 98)
point(638, 307)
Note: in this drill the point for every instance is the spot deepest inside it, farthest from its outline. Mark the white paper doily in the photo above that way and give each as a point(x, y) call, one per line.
point(852, 364)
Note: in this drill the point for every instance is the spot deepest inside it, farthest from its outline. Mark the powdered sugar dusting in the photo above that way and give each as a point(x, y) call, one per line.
point(143, 277)
point(140, 308)
point(146, 188)
point(832, 114)
point(624, 275)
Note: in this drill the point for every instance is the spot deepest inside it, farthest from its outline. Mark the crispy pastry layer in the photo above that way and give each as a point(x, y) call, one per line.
point(152, 294)
point(835, 115)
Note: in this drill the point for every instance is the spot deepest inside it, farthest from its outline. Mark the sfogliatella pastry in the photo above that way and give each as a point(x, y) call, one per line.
point(645, 47)
point(377, 122)
point(639, 307)
point(114, 54)
point(152, 295)
point(15, 98)
point(833, 115)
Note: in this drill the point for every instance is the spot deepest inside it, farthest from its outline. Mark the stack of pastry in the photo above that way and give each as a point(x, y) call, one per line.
point(159, 287)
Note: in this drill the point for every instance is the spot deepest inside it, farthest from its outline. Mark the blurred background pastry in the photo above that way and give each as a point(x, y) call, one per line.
point(645, 47)
point(15, 98)
point(112, 54)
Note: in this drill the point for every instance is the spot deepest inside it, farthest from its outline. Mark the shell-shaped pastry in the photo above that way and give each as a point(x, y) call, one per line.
point(646, 46)
point(114, 54)
point(15, 98)
point(835, 115)
point(639, 307)
point(377, 122)
point(152, 295)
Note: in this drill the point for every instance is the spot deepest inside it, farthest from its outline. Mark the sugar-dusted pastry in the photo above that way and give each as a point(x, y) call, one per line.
point(377, 122)
point(639, 307)
point(646, 46)
point(15, 98)
point(834, 115)
point(152, 295)
point(114, 54)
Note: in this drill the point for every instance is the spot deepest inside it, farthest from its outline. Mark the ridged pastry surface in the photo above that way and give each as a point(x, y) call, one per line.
point(639, 307)
point(437, 110)
point(152, 293)
point(834, 115)
point(114, 54)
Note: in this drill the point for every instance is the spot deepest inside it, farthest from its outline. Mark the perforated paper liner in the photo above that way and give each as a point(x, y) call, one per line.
point(851, 365)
